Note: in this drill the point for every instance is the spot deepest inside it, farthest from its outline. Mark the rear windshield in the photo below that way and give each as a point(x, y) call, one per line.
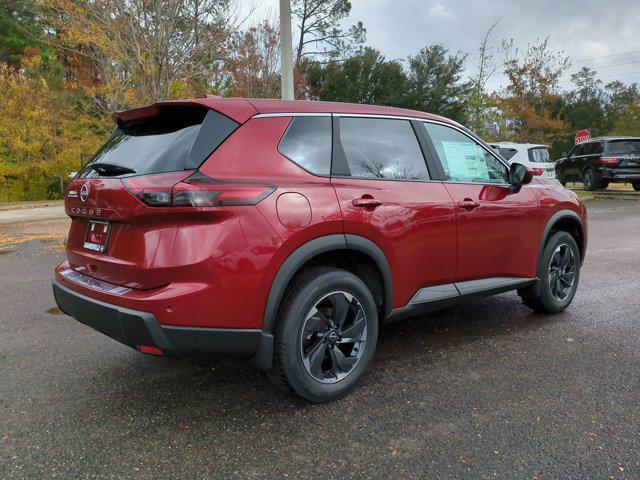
point(538, 154)
point(622, 147)
point(507, 153)
point(178, 138)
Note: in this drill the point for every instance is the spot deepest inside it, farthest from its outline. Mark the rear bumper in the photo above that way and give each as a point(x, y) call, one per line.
point(620, 175)
point(135, 329)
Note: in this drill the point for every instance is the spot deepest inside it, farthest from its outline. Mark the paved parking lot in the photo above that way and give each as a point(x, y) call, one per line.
point(483, 390)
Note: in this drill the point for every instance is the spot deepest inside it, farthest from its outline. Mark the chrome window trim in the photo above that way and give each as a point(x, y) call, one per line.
point(291, 114)
point(477, 140)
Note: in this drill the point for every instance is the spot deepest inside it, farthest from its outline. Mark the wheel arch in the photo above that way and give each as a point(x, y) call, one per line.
point(322, 247)
point(568, 221)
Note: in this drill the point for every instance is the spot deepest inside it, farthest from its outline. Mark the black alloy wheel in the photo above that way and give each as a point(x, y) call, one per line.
point(333, 337)
point(325, 334)
point(562, 272)
point(558, 275)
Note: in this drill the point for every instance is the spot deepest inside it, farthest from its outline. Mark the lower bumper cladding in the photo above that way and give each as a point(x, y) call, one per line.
point(141, 330)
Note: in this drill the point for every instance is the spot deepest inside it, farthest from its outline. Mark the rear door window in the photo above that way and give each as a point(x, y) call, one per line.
point(507, 153)
point(382, 148)
point(177, 138)
point(307, 142)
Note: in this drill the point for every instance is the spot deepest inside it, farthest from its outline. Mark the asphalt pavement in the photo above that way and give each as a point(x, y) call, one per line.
point(483, 390)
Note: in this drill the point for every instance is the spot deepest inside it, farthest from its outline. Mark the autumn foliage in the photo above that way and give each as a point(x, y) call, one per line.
point(66, 65)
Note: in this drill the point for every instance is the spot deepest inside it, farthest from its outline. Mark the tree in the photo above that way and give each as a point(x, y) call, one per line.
point(435, 82)
point(319, 33)
point(253, 64)
point(582, 108)
point(137, 50)
point(531, 102)
point(481, 105)
point(43, 133)
point(623, 108)
point(621, 101)
point(363, 78)
point(20, 28)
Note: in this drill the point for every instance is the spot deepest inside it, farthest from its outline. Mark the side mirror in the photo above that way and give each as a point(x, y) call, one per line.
point(564, 154)
point(519, 175)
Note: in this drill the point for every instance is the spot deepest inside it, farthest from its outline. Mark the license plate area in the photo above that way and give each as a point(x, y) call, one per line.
point(97, 237)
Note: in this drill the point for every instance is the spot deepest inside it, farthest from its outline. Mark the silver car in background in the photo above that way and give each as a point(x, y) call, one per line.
point(533, 155)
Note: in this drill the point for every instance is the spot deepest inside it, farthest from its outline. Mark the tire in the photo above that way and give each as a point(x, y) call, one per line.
point(563, 183)
point(603, 185)
point(542, 298)
point(309, 360)
point(636, 187)
point(589, 180)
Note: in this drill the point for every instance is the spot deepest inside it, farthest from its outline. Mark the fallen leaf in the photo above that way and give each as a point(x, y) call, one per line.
point(181, 425)
point(394, 452)
point(5, 437)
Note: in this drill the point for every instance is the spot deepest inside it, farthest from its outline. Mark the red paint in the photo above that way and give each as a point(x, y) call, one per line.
point(494, 238)
point(214, 266)
point(294, 210)
point(415, 227)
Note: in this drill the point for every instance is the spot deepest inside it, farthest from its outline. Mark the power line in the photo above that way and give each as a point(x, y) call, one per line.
point(615, 65)
point(608, 56)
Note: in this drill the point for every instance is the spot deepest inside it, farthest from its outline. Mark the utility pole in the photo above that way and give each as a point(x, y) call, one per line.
point(286, 62)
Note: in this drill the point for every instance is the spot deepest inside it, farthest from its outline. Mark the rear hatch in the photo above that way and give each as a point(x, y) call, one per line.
point(128, 202)
point(539, 160)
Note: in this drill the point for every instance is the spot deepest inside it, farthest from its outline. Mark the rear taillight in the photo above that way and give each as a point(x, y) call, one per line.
point(188, 189)
point(609, 160)
point(538, 171)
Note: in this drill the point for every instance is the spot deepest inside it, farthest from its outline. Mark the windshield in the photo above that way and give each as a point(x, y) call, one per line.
point(167, 142)
point(624, 147)
point(539, 154)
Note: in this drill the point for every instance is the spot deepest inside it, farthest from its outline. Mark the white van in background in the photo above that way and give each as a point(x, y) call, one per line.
point(533, 155)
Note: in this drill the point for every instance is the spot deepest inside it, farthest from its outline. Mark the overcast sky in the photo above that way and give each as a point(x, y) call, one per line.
point(583, 29)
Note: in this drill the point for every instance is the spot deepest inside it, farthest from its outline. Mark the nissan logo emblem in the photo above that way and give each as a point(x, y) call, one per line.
point(84, 192)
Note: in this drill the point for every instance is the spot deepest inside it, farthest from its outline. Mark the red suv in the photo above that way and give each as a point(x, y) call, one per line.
point(287, 231)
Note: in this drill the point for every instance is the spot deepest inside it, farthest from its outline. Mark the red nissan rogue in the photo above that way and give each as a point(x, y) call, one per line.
point(286, 232)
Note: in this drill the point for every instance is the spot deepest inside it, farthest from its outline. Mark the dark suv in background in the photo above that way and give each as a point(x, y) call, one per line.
point(601, 161)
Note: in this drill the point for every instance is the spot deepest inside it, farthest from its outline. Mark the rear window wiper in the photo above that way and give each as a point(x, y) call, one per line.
point(110, 169)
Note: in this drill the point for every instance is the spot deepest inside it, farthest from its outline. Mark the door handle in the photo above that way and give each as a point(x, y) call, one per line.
point(364, 202)
point(468, 204)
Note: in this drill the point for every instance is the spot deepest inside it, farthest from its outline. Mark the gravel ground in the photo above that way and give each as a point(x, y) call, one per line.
point(483, 390)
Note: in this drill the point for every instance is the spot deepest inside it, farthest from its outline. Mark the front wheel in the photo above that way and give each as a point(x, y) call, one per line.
point(325, 335)
point(558, 276)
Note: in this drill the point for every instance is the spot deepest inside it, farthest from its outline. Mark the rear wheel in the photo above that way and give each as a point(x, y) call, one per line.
point(589, 180)
point(325, 335)
point(558, 276)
